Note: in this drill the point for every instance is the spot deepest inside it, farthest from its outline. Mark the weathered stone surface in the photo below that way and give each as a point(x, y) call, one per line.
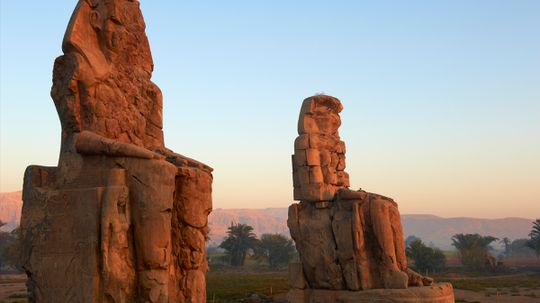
point(102, 82)
point(437, 293)
point(297, 280)
point(122, 218)
point(311, 228)
point(353, 244)
point(349, 242)
point(319, 156)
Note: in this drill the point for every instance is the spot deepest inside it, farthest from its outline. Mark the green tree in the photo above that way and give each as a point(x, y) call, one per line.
point(473, 249)
point(425, 258)
point(534, 241)
point(4, 242)
point(240, 239)
point(9, 247)
point(410, 239)
point(275, 248)
point(506, 243)
point(519, 249)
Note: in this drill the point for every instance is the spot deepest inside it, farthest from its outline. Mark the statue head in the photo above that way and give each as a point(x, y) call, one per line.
point(102, 83)
point(101, 31)
point(320, 114)
point(319, 153)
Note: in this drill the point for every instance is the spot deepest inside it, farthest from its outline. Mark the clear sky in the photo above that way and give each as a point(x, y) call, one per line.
point(442, 98)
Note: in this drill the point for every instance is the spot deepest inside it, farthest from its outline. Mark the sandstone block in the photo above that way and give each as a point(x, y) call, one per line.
point(296, 276)
point(66, 242)
point(343, 179)
point(347, 194)
point(311, 229)
point(296, 180)
point(341, 162)
point(315, 192)
point(330, 175)
point(316, 175)
point(340, 148)
point(322, 204)
point(301, 142)
point(194, 196)
point(307, 124)
point(325, 157)
point(303, 175)
point(320, 141)
point(327, 122)
point(196, 286)
point(299, 159)
point(313, 157)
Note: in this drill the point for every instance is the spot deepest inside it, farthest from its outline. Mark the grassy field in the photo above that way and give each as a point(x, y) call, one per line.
point(223, 286)
point(228, 285)
point(527, 281)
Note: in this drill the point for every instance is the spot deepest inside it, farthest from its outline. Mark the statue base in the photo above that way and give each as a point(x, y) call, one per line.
point(437, 293)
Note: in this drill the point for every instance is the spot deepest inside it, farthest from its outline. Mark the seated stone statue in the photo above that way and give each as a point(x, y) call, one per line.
point(347, 240)
point(122, 218)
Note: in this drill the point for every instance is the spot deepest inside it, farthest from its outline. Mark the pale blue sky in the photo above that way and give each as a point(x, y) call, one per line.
point(442, 98)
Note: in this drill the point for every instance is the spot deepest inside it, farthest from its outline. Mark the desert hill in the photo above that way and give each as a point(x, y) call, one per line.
point(270, 220)
point(432, 229)
point(439, 231)
point(10, 209)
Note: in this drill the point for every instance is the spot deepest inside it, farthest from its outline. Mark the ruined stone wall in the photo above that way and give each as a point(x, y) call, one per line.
point(122, 218)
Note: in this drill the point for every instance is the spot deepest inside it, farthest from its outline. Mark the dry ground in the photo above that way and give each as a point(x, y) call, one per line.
point(521, 287)
point(12, 286)
point(521, 295)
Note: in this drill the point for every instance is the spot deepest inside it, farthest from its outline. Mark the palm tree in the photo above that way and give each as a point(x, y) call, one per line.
point(534, 241)
point(275, 248)
point(425, 258)
point(240, 239)
point(473, 249)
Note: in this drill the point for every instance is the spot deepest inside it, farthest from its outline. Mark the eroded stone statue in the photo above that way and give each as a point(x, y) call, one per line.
point(122, 218)
point(348, 240)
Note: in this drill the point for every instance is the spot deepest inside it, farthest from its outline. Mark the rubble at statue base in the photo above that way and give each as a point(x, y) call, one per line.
point(122, 218)
point(350, 242)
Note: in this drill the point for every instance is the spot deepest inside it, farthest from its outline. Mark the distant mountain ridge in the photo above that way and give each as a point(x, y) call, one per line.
point(263, 221)
point(10, 209)
point(431, 229)
point(439, 231)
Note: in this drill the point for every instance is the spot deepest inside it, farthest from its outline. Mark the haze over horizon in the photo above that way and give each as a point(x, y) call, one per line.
point(442, 102)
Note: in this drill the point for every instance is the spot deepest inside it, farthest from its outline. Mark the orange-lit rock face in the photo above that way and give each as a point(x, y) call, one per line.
point(319, 154)
point(102, 82)
point(122, 218)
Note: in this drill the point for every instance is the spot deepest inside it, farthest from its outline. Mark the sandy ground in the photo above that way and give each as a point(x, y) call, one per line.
point(10, 285)
point(519, 295)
